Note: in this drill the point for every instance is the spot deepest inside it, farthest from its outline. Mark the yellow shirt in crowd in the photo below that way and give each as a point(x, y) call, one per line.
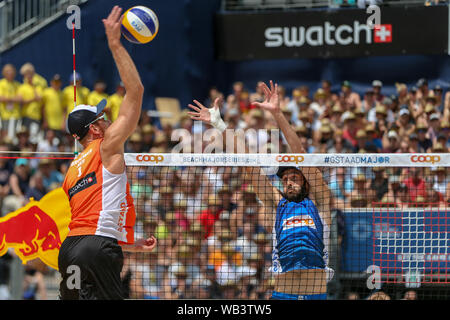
point(9, 90)
point(114, 102)
point(53, 108)
point(94, 97)
point(82, 94)
point(39, 81)
point(32, 110)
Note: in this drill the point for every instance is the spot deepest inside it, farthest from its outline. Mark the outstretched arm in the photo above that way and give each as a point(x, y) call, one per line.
point(313, 175)
point(130, 110)
point(266, 192)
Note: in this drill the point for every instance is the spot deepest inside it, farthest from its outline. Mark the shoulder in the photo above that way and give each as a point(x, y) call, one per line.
point(21, 87)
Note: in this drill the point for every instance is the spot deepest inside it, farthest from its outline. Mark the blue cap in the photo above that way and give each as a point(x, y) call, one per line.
point(77, 77)
point(21, 162)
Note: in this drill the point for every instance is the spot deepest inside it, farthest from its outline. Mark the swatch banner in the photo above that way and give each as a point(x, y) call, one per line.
point(331, 33)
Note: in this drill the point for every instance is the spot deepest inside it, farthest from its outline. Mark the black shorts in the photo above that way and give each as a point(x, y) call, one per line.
point(97, 262)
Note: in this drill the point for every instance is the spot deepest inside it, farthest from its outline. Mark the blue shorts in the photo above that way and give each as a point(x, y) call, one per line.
point(286, 296)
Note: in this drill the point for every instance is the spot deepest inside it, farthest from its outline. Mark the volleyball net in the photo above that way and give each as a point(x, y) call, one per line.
point(387, 235)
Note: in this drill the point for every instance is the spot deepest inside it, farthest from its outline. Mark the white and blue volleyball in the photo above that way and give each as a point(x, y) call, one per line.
point(139, 25)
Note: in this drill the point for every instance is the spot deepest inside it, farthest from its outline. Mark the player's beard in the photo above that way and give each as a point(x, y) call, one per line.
point(296, 196)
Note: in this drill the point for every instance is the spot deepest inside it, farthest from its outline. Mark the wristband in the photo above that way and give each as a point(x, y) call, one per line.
point(216, 120)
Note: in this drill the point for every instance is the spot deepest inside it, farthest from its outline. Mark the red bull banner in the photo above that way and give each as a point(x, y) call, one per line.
point(38, 229)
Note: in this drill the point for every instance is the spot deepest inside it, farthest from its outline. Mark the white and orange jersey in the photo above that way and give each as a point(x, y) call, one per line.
point(100, 201)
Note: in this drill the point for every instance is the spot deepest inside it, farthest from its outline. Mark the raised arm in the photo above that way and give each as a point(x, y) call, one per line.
point(130, 110)
point(266, 192)
point(313, 175)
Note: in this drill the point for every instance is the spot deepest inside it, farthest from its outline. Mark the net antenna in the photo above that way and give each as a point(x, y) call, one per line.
point(74, 81)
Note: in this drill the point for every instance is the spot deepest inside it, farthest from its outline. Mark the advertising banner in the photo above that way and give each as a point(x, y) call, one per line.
point(332, 33)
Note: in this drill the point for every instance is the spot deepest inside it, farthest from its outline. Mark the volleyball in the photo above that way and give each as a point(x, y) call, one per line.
point(139, 25)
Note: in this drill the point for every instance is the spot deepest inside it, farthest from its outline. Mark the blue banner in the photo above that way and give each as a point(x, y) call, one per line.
point(397, 241)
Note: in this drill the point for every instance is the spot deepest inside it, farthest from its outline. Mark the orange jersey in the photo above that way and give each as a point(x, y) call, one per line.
point(100, 201)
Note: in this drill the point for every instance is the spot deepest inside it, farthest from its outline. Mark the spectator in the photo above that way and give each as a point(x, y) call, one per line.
point(36, 189)
point(34, 284)
point(37, 80)
point(244, 244)
point(10, 112)
point(330, 97)
point(402, 91)
point(49, 174)
point(379, 184)
point(31, 99)
point(5, 271)
point(284, 99)
point(434, 126)
point(392, 144)
point(404, 123)
point(209, 216)
point(299, 103)
point(319, 104)
point(257, 137)
point(350, 128)
point(380, 295)
point(227, 271)
point(422, 92)
point(258, 96)
point(413, 143)
point(415, 183)
point(336, 114)
point(68, 94)
point(373, 138)
point(6, 168)
point(239, 98)
point(115, 101)
point(148, 135)
point(98, 94)
point(410, 295)
point(376, 87)
point(19, 182)
point(49, 144)
point(352, 296)
point(369, 101)
point(361, 196)
point(348, 98)
point(134, 144)
point(444, 134)
point(213, 94)
point(53, 113)
point(340, 185)
point(340, 144)
point(424, 142)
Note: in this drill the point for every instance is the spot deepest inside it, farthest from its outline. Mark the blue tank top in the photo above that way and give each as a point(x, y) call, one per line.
point(298, 241)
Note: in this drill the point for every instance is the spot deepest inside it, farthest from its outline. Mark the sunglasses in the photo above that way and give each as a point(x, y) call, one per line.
point(103, 116)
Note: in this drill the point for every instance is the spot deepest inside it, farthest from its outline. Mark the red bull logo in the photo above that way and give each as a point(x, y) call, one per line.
point(30, 231)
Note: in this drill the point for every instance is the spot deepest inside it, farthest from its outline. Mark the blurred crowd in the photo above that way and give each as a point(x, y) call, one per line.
point(214, 236)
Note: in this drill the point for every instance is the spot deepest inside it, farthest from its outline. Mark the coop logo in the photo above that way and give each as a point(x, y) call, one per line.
point(328, 34)
point(425, 159)
point(290, 158)
point(298, 221)
point(149, 158)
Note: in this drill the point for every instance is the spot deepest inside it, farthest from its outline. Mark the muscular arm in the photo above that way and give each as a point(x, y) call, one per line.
point(318, 188)
point(130, 110)
point(264, 189)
